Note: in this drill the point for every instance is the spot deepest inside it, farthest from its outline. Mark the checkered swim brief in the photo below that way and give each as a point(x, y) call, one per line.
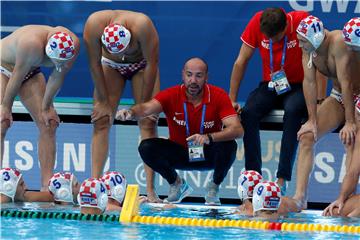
point(27, 77)
point(338, 96)
point(127, 70)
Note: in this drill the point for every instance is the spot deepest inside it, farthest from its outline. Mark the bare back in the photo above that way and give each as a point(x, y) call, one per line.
point(339, 62)
point(139, 25)
point(29, 41)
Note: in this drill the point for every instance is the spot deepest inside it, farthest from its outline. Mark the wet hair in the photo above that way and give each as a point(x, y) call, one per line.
point(272, 21)
point(205, 63)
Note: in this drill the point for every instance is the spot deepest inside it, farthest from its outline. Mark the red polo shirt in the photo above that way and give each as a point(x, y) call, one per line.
point(218, 107)
point(254, 38)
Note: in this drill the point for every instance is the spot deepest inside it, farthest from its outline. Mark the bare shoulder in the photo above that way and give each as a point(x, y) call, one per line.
point(139, 20)
point(337, 44)
point(99, 18)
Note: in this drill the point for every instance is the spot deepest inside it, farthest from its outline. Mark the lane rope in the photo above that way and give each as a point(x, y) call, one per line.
point(130, 213)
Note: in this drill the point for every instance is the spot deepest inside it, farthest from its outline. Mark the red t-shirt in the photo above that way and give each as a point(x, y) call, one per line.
point(218, 107)
point(254, 38)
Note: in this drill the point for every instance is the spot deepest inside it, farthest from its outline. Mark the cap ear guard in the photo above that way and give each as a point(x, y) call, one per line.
point(312, 29)
point(9, 180)
point(93, 194)
point(116, 184)
point(267, 196)
point(60, 186)
point(246, 183)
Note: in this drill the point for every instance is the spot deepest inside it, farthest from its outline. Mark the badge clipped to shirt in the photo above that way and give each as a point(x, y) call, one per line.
point(280, 82)
point(196, 152)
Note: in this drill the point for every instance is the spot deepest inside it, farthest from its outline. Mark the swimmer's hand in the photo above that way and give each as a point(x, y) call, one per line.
point(347, 133)
point(308, 127)
point(237, 107)
point(101, 110)
point(5, 115)
point(330, 210)
point(125, 115)
point(48, 115)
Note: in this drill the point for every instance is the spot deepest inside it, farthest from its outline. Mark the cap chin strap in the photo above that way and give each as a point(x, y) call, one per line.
point(310, 62)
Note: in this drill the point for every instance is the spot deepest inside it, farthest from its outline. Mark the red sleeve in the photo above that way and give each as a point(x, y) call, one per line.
point(251, 34)
point(163, 98)
point(225, 107)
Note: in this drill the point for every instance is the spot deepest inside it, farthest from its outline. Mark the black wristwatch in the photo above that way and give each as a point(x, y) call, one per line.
point(211, 140)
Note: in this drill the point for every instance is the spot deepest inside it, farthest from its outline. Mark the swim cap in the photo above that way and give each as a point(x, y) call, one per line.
point(357, 105)
point(60, 46)
point(60, 186)
point(116, 185)
point(247, 182)
point(267, 196)
point(312, 29)
point(115, 38)
point(9, 180)
point(93, 194)
point(351, 32)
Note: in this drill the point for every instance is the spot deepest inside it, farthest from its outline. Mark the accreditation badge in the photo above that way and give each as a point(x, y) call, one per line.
point(281, 84)
point(196, 152)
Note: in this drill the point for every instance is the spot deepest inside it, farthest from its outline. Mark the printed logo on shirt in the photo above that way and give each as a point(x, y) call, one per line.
point(209, 124)
point(265, 44)
point(179, 122)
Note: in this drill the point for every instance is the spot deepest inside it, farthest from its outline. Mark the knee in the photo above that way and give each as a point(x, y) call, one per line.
point(5, 125)
point(145, 149)
point(48, 130)
point(103, 124)
point(307, 141)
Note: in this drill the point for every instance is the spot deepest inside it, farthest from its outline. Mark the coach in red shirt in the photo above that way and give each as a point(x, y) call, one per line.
point(202, 126)
point(274, 32)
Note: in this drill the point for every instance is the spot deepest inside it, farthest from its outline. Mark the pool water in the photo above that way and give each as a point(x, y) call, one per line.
point(24, 228)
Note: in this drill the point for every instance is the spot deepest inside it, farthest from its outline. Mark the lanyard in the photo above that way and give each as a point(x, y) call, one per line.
point(282, 58)
point(187, 121)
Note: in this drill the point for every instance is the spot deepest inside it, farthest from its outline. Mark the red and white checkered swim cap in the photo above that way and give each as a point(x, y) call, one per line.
point(351, 32)
point(116, 185)
point(115, 38)
point(267, 196)
point(60, 186)
point(312, 28)
point(93, 194)
point(247, 182)
point(357, 106)
point(60, 46)
point(9, 180)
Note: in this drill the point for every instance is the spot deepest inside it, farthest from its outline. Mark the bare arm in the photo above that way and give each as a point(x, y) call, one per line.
point(139, 111)
point(239, 68)
point(149, 42)
point(309, 87)
point(92, 39)
point(28, 54)
point(232, 130)
point(343, 68)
